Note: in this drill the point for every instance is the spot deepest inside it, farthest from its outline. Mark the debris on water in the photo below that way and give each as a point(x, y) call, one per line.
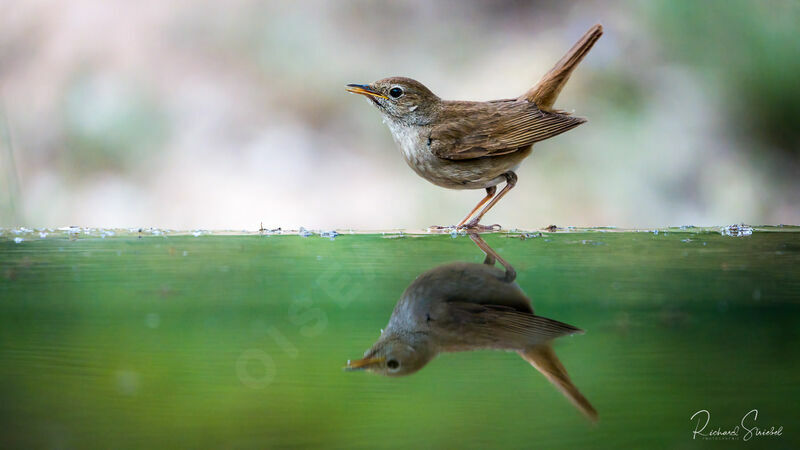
point(72, 231)
point(42, 234)
point(18, 240)
point(454, 233)
point(329, 234)
point(304, 233)
point(268, 232)
point(740, 230)
point(655, 232)
point(198, 233)
point(551, 228)
point(686, 240)
point(524, 236)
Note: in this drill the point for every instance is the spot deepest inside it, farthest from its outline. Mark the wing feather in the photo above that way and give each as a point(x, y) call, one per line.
point(479, 129)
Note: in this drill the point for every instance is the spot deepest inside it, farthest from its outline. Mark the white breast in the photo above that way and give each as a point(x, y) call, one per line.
point(407, 137)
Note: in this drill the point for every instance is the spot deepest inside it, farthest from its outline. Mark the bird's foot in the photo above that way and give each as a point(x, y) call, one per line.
point(473, 225)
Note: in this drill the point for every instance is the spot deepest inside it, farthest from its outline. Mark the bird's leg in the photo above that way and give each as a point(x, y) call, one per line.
point(489, 194)
point(492, 255)
point(511, 181)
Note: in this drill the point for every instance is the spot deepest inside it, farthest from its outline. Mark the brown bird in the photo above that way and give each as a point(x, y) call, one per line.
point(465, 306)
point(474, 145)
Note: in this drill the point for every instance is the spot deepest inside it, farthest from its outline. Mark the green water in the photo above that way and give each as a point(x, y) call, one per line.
point(239, 342)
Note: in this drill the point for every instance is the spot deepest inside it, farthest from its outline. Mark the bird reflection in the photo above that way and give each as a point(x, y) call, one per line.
point(462, 306)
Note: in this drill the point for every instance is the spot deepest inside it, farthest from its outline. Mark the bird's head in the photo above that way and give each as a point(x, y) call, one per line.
point(393, 357)
point(400, 99)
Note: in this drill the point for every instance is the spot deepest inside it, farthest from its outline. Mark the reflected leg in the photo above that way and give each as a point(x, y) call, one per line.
point(492, 255)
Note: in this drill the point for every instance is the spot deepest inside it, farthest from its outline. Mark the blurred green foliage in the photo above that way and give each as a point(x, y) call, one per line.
point(110, 124)
point(749, 50)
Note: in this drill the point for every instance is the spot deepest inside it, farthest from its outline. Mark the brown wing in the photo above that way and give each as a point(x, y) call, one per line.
point(501, 323)
point(479, 129)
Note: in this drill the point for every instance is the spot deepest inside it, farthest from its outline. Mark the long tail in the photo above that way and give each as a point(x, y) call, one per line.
point(545, 92)
point(544, 359)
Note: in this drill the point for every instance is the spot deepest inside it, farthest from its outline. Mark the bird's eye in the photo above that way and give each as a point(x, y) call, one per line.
point(395, 92)
point(392, 364)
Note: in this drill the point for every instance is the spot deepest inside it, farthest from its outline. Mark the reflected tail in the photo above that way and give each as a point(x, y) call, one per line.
point(544, 359)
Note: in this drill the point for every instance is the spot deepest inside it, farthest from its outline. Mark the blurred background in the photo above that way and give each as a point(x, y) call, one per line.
point(189, 114)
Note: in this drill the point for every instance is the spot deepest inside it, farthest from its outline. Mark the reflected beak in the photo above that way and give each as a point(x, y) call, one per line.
point(361, 364)
point(364, 89)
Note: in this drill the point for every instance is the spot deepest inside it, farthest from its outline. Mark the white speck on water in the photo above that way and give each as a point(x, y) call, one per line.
point(303, 232)
point(18, 240)
point(152, 320)
point(185, 253)
point(43, 234)
point(381, 330)
point(319, 257)
point(655, 232)
point(128, 382)
point(686, 240)
point(329, 234)
point(197, 233)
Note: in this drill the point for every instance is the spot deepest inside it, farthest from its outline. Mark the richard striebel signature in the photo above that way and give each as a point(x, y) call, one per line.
point(745, 430)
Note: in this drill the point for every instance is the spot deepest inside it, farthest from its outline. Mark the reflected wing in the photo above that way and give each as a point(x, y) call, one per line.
point(502, 323)
point(478, 129)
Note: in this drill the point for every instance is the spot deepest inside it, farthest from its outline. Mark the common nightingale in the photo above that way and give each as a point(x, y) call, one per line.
point(463, 306)
point(474, 145)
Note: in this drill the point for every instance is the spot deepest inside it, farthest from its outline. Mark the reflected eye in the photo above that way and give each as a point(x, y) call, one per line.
point(395, 92)
point(392, 364)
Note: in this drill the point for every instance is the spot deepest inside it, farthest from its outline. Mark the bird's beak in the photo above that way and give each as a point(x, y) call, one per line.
point(364, 89)
point(361, 364)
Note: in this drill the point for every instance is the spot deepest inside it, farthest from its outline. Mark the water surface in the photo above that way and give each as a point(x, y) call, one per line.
point(239, 341)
